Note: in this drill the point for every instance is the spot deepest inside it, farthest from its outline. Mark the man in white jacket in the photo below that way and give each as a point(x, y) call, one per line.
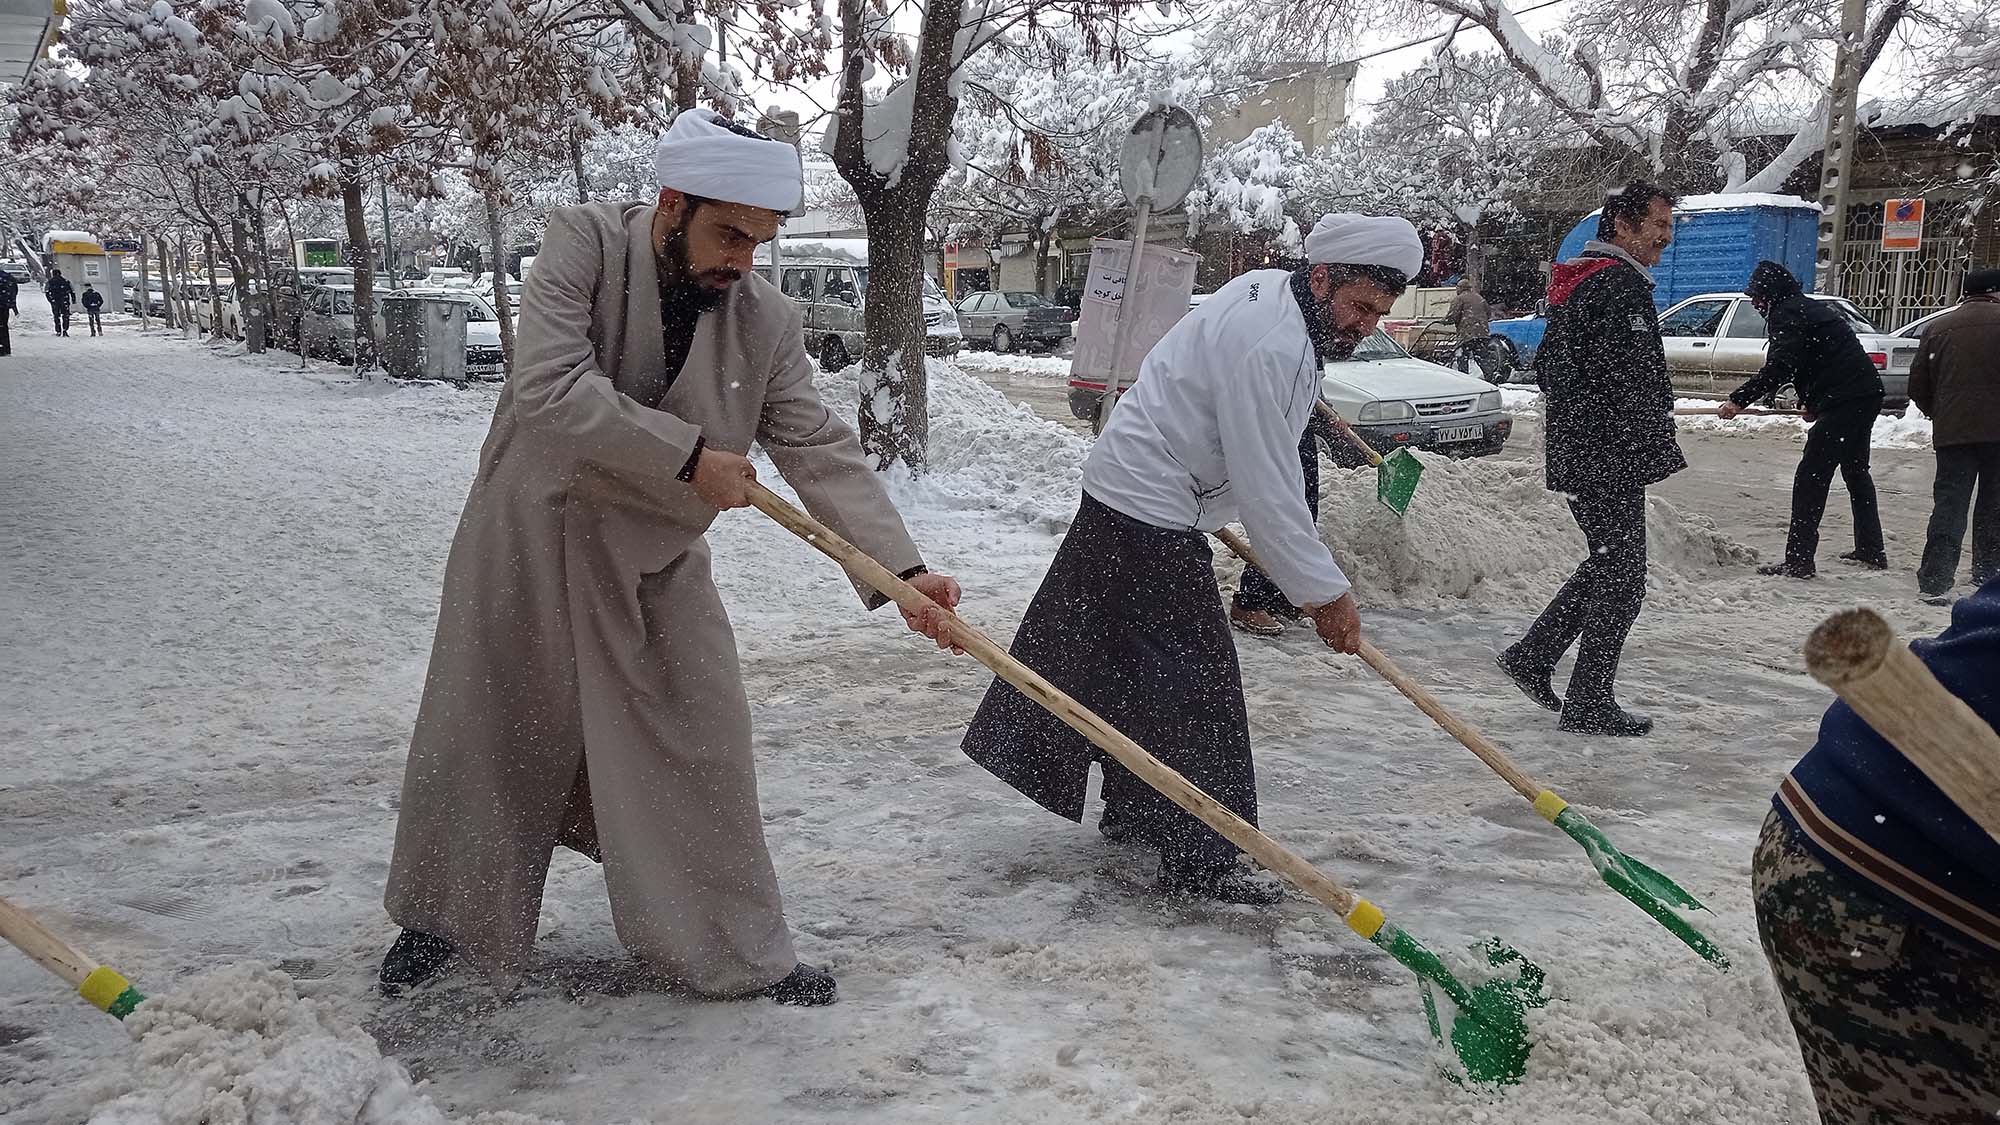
point(1128, 619)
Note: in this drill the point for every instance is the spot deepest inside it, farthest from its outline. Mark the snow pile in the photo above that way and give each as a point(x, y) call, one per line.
point(1039, 368)
point(1490, 530)
point(1908, 430)
point(239, 1047)
point(987, 453)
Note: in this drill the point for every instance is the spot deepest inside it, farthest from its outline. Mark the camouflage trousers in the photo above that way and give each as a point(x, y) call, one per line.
point(1899, 1024)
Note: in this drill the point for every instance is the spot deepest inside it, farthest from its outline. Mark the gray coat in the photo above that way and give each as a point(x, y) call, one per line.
point(582, 648)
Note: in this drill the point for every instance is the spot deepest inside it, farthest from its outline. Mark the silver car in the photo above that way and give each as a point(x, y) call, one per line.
point(1721, 336)
point(1004, 321)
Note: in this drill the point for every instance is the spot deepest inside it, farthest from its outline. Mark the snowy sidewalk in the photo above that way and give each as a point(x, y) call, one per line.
point(220, 578)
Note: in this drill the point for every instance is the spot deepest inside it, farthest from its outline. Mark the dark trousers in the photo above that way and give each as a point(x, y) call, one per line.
point(6, 338)
point(96, 324)
point(61, 314)
point(1600, 601)
point(1257, 591)
point(1961, 469)
point(1838, 440)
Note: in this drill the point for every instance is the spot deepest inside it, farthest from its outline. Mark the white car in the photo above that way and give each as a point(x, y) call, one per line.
point(1393, 399)
point(1722, 336)
point(483, 286)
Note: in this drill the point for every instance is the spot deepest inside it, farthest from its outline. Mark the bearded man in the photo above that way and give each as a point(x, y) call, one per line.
point(584, 687)
point(1128, 620)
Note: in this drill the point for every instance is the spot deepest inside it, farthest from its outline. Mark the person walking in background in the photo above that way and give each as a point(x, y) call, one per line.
point(1955, 379)
point(1610, 434)
point(10, 293)
point(60, 293)
point(1878, 906)
point(93, 305)
point(1814, 349)
point(1469, 314)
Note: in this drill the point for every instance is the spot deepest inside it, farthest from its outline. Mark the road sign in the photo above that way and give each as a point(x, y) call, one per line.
point(951, 255)
point(1903, 225)
point(121, 245)
point(1160, 158)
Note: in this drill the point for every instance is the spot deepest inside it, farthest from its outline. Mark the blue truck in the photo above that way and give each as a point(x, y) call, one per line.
point(1718, 239)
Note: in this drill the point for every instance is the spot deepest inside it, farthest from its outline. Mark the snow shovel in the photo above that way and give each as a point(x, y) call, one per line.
point(1483, 1025)
point(1395, 475)
point(1710, 412)
point(99, 984)
point(1649, 890)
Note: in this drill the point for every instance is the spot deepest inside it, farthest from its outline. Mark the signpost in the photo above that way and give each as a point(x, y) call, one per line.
point(951, 272)
point(1156, 167)
point(1902, 235)
point(783, 125)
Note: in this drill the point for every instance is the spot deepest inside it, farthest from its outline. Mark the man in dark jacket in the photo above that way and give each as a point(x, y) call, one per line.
point(59, 292)
point(1611, 433)
point(1956, 380)
point(93, 305)
point(1812, 348)
point(1878, 904)
point(10, 291)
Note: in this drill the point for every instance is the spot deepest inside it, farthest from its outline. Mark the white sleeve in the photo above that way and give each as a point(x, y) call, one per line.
point(1260, 448)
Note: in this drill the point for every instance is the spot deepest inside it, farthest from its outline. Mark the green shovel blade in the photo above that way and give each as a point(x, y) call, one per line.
point(1484, 1026)
point(1396, 480)
point(1650, 891)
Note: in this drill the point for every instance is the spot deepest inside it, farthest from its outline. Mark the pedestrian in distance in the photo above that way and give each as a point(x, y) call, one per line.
point(1955, 379)
point(10, 296)
point(1814, 350)
point(1610, 434)
point(1470, 315)
point(93, 307)
point(60, 294)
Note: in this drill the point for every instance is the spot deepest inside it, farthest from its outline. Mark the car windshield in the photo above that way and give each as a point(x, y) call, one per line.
point(1378, 345)
point(343, 304)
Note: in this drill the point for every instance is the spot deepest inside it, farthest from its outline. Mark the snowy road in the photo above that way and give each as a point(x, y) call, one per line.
point(220, 579)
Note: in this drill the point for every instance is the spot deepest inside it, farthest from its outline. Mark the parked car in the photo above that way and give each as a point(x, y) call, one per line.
point(1002, 321)
point(18, 270)
point(1915, 329)
point(1721, 336)
point(483, 356)
point(1393, 399)
point(204, 310)
point(447, 275)
point(483, 286)
point(829, 280)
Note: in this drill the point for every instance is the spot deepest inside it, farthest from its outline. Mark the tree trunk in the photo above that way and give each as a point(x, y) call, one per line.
point(167, 310)
point(496, 235)
point(1042, 255)
point(576, 166)
point(895, 387)
point(1475, 258)
point(364, 273)
point(214, 291)
point(145, 287)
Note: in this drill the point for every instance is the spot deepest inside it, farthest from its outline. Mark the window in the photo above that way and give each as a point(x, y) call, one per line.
point(1700, 318)
point(1854, 318)
point(1024, 300)
point(841, 288)
point(799, 284)
point(1748, 323)
point(985, 302)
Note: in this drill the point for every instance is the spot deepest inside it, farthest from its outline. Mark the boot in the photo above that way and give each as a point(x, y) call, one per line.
point(1601, 718)
point(806, 986)
point(1789, 569)
point(1533, 681)
point(1872, 562)
point(1256, 622)
point(415, 958)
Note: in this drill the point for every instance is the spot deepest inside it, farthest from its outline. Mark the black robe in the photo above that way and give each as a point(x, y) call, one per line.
point(1130, 623)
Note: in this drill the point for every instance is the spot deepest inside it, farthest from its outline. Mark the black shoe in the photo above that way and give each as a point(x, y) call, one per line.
point(805, 986)
point(1224, 884)
point(415, 958)
point(1872, 562)
point(1603, 718)
point(1789, 570)
point(1533, 682)
point(1941, 600)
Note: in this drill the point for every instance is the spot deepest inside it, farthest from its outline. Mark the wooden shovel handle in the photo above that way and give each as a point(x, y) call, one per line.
point(1856, 653)
point(1339, 423)
point(1129, 754)
point(42, 945)
point(1495, 758)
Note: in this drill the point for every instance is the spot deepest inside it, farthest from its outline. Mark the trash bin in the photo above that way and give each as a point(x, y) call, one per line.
point(256, 321)
point(424, 337)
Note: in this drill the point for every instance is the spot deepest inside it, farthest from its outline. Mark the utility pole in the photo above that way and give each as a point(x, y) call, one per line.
point(388, 239)
point(1838, 161)
point(783, 125)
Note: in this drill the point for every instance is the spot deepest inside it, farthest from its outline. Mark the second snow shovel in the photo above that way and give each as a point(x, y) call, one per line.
point(1395, 475)
point(99, 984)
point(1484, 1025)
point(1660, 897)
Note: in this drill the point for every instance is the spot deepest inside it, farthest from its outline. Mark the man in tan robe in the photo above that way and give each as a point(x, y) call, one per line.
point(583, 686)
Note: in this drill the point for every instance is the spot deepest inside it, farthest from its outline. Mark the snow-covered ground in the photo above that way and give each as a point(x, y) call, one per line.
point(1908, 430)
point(220, 579)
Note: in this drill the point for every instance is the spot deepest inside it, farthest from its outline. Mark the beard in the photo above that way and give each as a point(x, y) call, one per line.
point(704, 289)
point(1335, 342)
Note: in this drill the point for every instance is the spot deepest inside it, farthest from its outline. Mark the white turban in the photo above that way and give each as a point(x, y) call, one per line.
point(700, 155)
point(1366, 240)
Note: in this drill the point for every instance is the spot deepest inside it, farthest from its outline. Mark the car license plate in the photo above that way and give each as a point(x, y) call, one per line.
point(1449, 434)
